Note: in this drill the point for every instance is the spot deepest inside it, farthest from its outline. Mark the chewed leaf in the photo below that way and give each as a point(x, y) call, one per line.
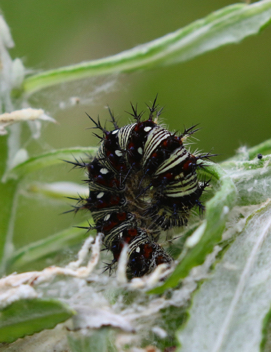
point(26, 317)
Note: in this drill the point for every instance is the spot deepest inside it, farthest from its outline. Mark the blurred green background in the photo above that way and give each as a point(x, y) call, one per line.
point(227, 91)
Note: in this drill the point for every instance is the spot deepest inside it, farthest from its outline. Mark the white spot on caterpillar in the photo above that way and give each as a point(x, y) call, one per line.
point(107, 217)
point(140, 150)
point(118, 152)
point(104, 171)
point(138, 250)
point(116, 131)
point(121, 234)
point(100, 195)
point(147, 129)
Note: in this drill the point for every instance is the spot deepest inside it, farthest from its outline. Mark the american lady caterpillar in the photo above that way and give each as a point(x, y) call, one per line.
point(142, 181)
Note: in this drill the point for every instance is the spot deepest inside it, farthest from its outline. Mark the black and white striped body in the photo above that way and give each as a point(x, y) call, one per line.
point(142, 181)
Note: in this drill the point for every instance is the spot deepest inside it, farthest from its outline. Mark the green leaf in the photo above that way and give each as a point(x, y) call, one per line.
point(58, 190)
point(266, 336)
point(209, 233)
point(48, 159)
point(26, 317)
point(8, 191)
point(253, 179)
point(98, 340)
point(228, 25)
point(229, 309)
point(48, 246)
point(245, 154)
point(262, 148)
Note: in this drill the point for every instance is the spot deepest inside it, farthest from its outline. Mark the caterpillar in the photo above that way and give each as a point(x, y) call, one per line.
point(142, 181)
